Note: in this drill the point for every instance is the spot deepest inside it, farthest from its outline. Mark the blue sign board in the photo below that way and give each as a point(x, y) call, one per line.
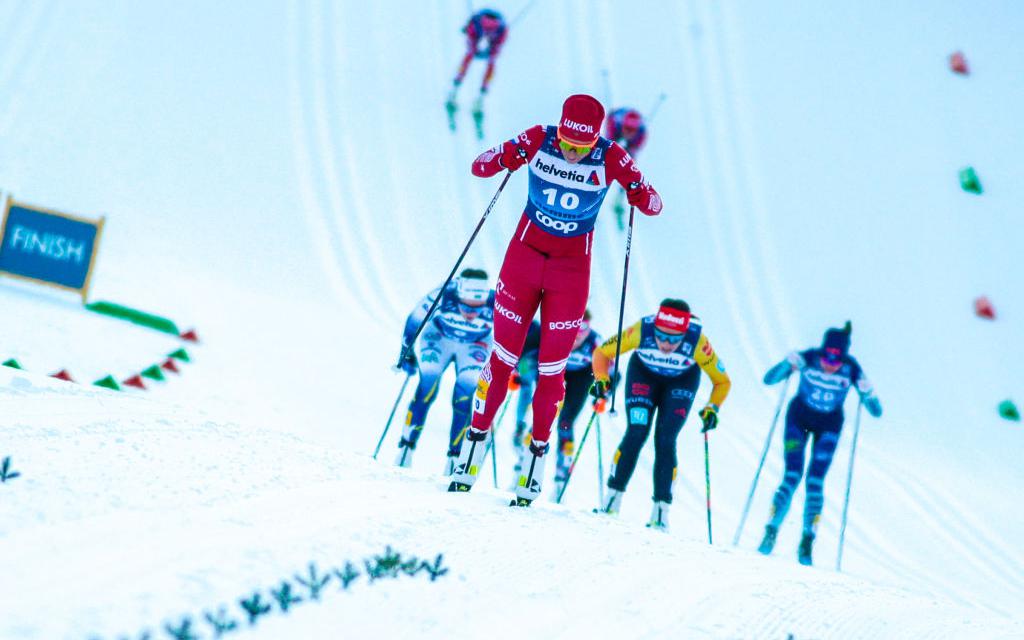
point(48, 246)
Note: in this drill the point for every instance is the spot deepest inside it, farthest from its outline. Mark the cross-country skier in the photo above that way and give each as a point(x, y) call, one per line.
point(578, 378)
point(547, 265)
point(459, 332)
point(815, 413)
point(626, 126)
point(671, 349)
point(485, 34)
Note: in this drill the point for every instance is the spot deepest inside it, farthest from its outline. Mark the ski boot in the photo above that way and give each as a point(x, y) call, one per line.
point(612, 502)
point(659, 517)
point(532, 474)
point(467, 467)
point(768, 542)
point(563, 464)
point(449, 465)
point(451, 107)
point(521, 436)
point(405, 451)
point(803, 554)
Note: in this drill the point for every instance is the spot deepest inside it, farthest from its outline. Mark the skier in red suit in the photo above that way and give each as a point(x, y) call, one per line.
point(547, 265)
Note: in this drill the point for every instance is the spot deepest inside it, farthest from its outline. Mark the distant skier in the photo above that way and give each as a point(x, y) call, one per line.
point(459, 332)
point(661, 379)
point(485, 34)
point(547, 265)
point(626, 126)
point(816, 412)
point(578, 378)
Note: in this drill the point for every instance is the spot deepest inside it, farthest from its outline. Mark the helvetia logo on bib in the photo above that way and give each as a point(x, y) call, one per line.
point(593, 179)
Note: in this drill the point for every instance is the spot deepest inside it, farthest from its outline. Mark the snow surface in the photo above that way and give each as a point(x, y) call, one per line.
point(282, 178)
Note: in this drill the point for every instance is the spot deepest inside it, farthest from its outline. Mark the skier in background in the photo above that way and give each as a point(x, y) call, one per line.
point(547, 266)
point(626, 126)
point(460, 332)
point(661, 379)
point(815, 413)
point(578, 378)
point(525, 377)
point(485, 34)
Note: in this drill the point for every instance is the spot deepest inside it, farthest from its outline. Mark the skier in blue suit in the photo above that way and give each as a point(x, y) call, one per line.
point(458, 332)
point(816, 413)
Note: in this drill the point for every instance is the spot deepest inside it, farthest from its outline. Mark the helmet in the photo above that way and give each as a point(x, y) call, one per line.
point(673, 314)
point(582, 116)
point(490, 20)
point(632, 120)
point(836, 342)
point(472, 286)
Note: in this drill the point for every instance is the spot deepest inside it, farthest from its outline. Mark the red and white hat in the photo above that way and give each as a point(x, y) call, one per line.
point(672, 319)
point(582, 116)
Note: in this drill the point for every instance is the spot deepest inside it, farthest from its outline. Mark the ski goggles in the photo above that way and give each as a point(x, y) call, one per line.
point(578, 149)
point(671, 338)
point(470, 308)
point(833, 356)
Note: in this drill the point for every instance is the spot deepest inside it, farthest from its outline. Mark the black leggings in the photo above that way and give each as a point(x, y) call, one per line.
point(648, 393)
point(577, 389)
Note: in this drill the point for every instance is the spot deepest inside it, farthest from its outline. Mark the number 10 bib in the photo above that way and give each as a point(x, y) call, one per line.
point(566, 198)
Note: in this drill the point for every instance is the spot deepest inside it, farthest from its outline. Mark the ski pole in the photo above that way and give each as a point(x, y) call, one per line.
point(494, 436)
point(600, 464)
point(655, 107)
point(849, 481)
point(522, 12)
point(607, 87)
point(622, 300)
point(707, 481)
point(568, 477)
point(451, 276)
point(760, 465)
point(394, 408)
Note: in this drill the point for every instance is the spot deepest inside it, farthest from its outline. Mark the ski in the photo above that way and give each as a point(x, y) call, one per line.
point(478, 117)
point(451, 107)
point(768, 542)
point(804, 552)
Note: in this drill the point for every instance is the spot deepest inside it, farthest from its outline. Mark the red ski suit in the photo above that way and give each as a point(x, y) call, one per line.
point(548, 270)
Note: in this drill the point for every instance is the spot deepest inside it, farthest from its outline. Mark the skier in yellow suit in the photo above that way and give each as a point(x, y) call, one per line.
point(661, 378)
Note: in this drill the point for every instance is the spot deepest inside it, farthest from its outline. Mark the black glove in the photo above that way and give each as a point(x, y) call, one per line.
point(408, 364)
point(600, 389)
point(709, 416)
